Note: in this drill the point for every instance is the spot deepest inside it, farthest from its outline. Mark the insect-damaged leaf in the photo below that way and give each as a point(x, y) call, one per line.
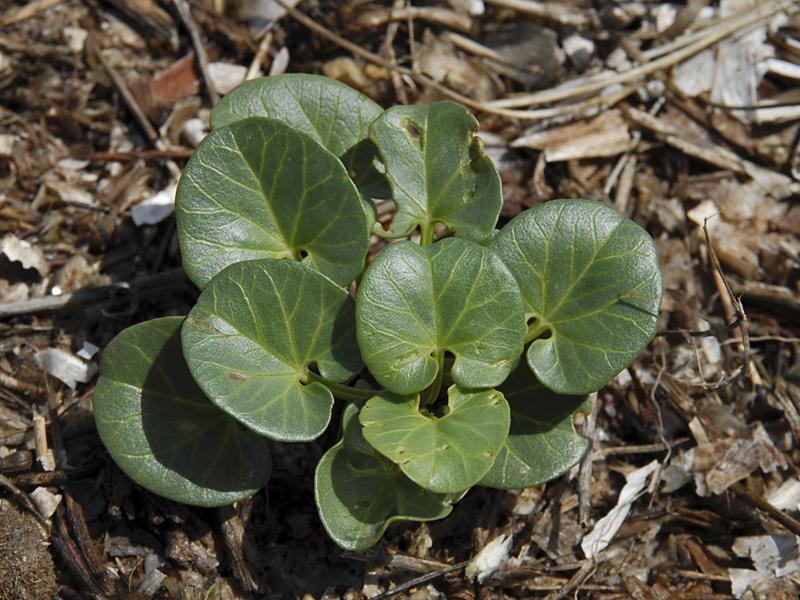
point(542, 443)
point(163, 432)
point(252, 336)
point(590, 277)
point(452, 296)
point(437, 169)
point(260, 189)
point(446, 454)
point(329, 111)
point(359, 493)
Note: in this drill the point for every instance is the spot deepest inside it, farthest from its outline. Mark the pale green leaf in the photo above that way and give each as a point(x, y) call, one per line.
point(437, 169)
point(253, 335)
point(163, 432)
point(415, 303)
point(359, 493)
point(260, 189)
point(591, 282)
point(542, 443)
point(333, 113)
point(445, 454)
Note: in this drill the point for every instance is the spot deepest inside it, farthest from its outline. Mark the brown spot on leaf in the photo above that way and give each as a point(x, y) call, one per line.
point(237, 377)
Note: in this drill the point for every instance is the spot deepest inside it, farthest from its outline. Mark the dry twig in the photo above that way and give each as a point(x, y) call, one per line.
point(421, 580)
point(197, 42)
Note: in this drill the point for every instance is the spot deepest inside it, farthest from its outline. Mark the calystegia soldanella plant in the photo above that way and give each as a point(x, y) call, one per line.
point(460, 358)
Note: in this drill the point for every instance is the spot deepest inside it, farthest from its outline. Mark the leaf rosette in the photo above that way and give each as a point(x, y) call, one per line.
point(414, 304)
point(253, 336)
point(360, 493)
point(163, 432)
point(592, 287)
point(437, 170)
point(445, 454)
point(258, 188)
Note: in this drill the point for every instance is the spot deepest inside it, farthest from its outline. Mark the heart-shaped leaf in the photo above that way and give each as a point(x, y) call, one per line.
point(260, 189)
point(329, 111)
point(445, 454)
point(456, 296)
point(542, 443)
point(163, 432)
point(252, 336)
point(590, 277)
point(359, 493)
point(437, 170)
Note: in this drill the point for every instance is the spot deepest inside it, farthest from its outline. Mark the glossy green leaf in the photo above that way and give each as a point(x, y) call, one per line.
point(329, 111)
point(252, 336)
point(590, 277)
point(437, 169)
point(163, 432)
point(444, 454)
point(414, 303)
point(359, 493)
point(542, 443)
point(260, 189)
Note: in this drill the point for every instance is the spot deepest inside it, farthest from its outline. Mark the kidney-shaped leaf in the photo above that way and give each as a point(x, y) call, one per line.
point(445, 454)
point(437, 169)
point(591, 278)
point(329, 111)
point(542, 443)
point(456, 296)
point(252, 336)
point(163, 432)
point(260, 189)
point(359, 493)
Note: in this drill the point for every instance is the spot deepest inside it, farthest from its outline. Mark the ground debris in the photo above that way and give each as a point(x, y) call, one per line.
point(680, 115)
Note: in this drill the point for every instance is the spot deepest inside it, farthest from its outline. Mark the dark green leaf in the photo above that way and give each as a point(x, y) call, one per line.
point(359, 493)
point(456, 296)
point(589, 277)
point(437, 169)
point(163, 432)
point(252, 336)
point(445, 454)
point(259, 189)
point(542, 443)
point(334, 114)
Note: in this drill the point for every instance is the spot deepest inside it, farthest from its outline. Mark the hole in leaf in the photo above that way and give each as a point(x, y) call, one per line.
point(412, 130)
point(302, 254)
point(476, 150)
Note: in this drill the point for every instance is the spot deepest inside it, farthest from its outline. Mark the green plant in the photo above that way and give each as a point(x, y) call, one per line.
point(274, 216)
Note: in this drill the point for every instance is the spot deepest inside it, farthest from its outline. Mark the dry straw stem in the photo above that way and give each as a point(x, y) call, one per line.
point(433, 14)
point(592, 85)
point(550, 11)
point(197, 41)
point(761, 504)
point(26, 11)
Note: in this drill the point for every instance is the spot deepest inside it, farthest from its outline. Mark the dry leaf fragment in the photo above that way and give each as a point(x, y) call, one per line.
point(715, 466)
point(226, 76)
point(65, 366)
point(46, 501)
point(606, 528)
point(775, 558)
point(491, 557)
point(787, 496)
point(17, 250)
point(440, 61)
point(605, 135)
point(156, 208)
